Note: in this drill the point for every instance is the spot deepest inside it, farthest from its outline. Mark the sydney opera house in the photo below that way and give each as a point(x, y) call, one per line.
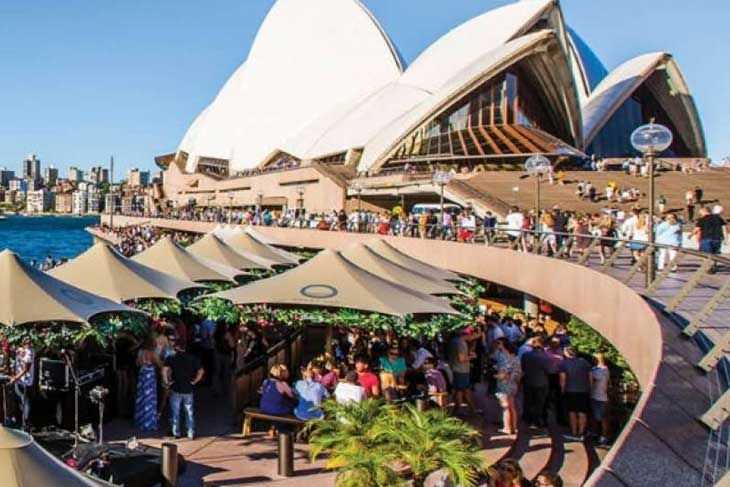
point(324, 108)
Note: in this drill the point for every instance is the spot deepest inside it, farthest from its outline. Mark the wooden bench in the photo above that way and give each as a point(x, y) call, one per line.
point(286, 439)
point(249, 414)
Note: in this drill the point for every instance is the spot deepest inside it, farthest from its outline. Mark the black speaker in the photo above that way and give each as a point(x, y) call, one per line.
point(54, 375)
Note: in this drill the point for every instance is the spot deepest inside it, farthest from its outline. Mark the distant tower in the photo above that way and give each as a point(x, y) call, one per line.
point(32, 168)
point(50, 176)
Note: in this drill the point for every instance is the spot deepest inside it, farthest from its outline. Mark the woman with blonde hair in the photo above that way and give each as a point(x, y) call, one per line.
point(277, 398)
point(641, 234)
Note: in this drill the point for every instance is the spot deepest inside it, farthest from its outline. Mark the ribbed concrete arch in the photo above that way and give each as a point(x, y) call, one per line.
point(541, 43)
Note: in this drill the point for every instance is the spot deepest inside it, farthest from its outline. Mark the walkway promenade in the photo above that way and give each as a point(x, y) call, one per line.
point(664, 443)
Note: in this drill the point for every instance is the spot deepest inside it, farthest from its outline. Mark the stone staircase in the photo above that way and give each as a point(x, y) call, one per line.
point(463, 193)
point(516, 188)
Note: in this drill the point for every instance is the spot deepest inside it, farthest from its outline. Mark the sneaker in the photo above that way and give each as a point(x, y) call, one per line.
point(572, 438)
point(603, 440)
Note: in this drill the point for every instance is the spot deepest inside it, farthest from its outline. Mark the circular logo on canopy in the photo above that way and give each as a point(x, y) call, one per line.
point(318, 291)
point(74, 295)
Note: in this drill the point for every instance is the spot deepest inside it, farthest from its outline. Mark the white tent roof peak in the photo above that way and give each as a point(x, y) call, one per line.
point(331, 280)
point(28, 295)
point(104, 271)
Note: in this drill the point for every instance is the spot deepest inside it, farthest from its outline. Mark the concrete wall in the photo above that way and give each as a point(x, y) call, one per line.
point(320, 192)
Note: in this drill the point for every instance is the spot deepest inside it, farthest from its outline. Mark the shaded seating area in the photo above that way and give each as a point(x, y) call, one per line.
point(169, 257)
point(213, 248)
point(245, 242)
point(104, 271)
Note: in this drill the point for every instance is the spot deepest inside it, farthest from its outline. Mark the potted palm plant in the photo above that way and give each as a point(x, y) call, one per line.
point(373, 445)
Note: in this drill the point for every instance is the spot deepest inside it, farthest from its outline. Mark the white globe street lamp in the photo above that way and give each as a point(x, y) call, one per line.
point(651, 140)
point(441, 179)
point(230, 195)
point(537, 166)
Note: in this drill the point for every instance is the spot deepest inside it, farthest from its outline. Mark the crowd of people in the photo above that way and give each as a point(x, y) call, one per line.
point(560, 233)
point(134, 239)
point(527, 367)
point(157, 374)
point(532, 372)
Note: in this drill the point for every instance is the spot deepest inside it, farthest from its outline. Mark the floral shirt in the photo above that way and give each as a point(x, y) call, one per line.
point(509, 372)
point(25, 356)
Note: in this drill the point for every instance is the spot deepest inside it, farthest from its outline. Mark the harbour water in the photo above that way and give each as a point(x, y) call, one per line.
point(39, 236)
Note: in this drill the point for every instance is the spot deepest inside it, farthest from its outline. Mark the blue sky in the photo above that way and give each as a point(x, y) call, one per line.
point(83, 79)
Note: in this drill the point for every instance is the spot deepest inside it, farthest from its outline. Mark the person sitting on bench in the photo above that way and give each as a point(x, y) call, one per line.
point(277, 398)
point(311, 394)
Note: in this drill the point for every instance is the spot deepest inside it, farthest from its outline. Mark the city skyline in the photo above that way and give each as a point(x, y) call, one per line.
point(101, 91)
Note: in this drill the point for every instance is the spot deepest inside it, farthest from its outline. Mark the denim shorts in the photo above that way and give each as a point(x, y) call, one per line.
point(461, 381)
point(710, 246)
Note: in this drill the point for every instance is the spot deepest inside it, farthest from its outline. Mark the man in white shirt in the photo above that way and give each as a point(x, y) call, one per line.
point(349, 391)
point(628, 228)
point(515, 221)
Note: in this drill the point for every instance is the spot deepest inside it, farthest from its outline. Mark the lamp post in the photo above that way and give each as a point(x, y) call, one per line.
point(300, 203)
point(651, 140)
point(111, 191)
point(442, 178)
point(537, 166)
point(230, 207)
point(357, 186)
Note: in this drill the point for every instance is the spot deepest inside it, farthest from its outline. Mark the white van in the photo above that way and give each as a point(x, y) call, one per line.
point(420, 208)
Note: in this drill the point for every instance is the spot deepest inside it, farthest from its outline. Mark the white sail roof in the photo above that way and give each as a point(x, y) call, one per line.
point(354, 123)
point(466, 43)
point(308, 57)
point(615, 88)
point(477, 72)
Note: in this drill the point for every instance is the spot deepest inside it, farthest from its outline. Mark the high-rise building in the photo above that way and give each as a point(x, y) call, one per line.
point(137, 178)
point(64, 202)
point(94, 202)
point(5, 176)
point(80, 202)
point(38, 201)
point(99, 175)
point(50, 176)
point(32, 168)
point(75, 174)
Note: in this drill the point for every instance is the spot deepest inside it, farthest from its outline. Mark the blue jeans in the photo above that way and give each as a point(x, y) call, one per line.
point(186, 401)
point(21, 391)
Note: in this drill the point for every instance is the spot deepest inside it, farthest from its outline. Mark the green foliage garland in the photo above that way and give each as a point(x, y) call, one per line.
point(56, 336)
